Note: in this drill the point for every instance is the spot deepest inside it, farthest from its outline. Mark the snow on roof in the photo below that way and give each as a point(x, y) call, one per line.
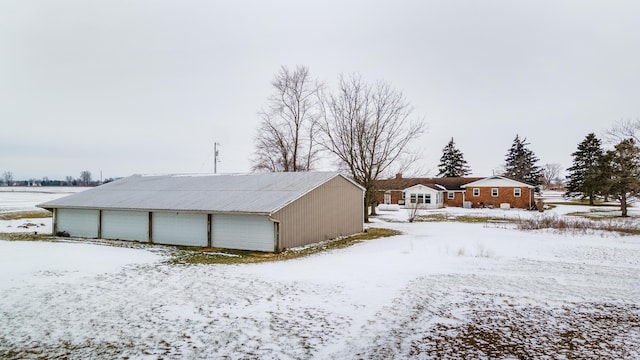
point(498, 181)
point(400, 183)
point(262, 193)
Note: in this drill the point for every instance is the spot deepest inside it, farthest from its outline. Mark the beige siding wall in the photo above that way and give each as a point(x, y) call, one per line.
point(334, 209)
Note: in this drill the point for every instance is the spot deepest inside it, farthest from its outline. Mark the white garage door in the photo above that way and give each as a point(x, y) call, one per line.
point(82, 223)
point(244, 232)
point(176, 228)
point(125, 225)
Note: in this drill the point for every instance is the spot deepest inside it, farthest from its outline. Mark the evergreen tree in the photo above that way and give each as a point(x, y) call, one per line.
point(452, 162)
point(585, 176)
point(521, 163)
point(623, 166)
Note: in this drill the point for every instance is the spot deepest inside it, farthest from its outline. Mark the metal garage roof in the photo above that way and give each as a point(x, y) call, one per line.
point(245, 193)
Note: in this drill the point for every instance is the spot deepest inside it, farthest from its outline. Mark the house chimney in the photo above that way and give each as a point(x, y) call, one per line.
point(398, 176)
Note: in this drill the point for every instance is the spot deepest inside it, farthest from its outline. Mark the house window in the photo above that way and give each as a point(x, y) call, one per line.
point(516, 192)
point(476, 191)
point(451, 195)
point(420, 198)
point(494, 192)
point(427, 199)
point(413, 198)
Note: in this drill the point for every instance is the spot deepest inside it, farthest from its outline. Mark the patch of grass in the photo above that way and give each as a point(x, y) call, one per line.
point(582, 202)
point(596, 214)
point(190, 255)
point(27, 236)
point(578, 226)
point(435, 217)
point(464, 218)
point(37, 214)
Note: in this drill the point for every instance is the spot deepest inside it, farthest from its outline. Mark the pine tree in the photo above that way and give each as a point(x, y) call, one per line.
point(585, 177)
point(521, 163)
point(452, 162)
point(623, 165)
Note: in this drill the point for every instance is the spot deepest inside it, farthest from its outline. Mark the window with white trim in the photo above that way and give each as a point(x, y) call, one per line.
point(451, 195)
point(494, 192)
point(517, 192)
point(476, 191)
point(427, 198)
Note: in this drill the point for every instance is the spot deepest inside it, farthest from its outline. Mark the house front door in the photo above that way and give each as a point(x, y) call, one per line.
point(387, 198)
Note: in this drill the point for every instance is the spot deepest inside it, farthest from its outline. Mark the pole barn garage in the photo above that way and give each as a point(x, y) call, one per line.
point(261, 212)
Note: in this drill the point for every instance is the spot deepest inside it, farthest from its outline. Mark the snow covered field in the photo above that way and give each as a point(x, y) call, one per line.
point(16, 199)
point(440, 290)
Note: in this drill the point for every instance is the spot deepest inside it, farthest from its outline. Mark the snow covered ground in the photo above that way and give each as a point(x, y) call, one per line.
point(440, 290)
point(23, 198)
point(16, 199)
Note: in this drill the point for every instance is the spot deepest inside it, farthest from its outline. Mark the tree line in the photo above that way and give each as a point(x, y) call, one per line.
point(85, 179)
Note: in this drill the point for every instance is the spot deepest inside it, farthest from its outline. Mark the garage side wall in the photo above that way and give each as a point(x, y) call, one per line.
point(333, 209)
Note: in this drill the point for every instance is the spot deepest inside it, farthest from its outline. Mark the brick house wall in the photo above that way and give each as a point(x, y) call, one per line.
point(457, 200)
point(462, 189)
point(505, 195)
point(396, 196)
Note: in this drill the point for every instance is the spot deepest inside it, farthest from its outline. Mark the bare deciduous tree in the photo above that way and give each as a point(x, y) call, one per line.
point(367, 127)
point(413, 211)
point(285, 140)
point(85, 178)
point(550, 173)
point(622, 130)
point(8, 177)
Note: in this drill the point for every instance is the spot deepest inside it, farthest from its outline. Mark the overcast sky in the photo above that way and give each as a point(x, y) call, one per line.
point(129, 87)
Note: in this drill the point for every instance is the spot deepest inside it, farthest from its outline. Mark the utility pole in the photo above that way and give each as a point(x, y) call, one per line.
point(215, 157)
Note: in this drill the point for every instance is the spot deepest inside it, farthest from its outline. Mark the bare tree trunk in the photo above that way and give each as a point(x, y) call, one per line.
point(366, 210)
point(623, 204)
point(372, 201)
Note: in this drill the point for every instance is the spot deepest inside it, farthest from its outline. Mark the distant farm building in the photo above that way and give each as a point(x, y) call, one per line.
point(262, 212)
